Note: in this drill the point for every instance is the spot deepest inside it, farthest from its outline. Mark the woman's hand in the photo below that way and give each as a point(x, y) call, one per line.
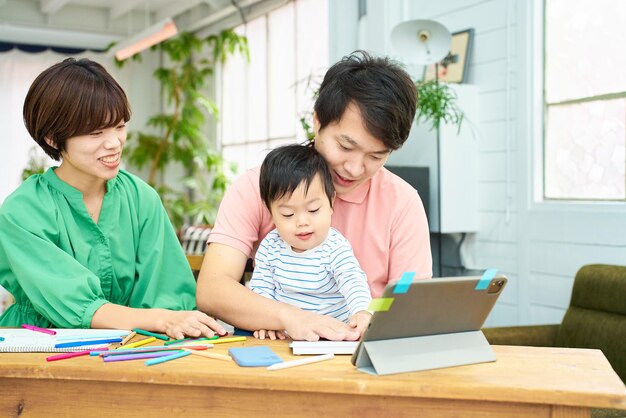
point(181, 324)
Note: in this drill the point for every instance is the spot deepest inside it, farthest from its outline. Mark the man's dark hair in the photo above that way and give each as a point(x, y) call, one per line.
point(383, 92)
point(72, 98)
point(285, 168)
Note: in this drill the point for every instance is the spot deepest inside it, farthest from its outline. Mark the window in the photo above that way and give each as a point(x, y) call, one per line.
point(585, 100)
point(263, 99)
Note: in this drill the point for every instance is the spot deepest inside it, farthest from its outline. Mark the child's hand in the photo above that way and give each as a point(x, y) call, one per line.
point(272, 335)
point(179, 324)
point(360, 321)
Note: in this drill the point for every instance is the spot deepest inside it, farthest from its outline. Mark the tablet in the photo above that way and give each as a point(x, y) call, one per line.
point(434, 306)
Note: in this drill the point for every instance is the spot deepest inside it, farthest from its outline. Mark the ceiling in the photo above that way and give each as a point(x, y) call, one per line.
point(94, 24)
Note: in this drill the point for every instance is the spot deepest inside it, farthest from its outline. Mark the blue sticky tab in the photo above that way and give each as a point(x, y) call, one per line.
point(404, 283)
point(484, 281)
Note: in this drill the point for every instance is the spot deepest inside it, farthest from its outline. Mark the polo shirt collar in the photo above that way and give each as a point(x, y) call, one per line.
point(357, 195)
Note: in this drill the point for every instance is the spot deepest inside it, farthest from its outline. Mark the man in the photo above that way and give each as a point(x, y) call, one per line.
point(364, 111)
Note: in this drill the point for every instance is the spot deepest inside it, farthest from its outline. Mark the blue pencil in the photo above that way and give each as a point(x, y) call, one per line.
point(154, 361)
point(90, 342)
point(1, 338)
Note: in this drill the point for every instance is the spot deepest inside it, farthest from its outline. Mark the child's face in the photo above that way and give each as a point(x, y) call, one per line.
point(303, 220)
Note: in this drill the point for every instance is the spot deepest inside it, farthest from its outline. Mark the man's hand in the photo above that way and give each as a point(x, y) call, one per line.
point(302, 325)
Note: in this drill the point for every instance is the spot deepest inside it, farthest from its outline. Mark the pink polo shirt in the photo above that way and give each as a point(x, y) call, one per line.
point(383, 219)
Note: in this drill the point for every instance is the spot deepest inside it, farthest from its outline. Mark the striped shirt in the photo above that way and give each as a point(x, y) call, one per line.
point(326, 279)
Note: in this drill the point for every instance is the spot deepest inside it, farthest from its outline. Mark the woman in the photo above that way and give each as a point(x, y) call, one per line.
point(86, 244)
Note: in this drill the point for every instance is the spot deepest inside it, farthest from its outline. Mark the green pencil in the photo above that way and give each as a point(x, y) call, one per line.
point(151, 334)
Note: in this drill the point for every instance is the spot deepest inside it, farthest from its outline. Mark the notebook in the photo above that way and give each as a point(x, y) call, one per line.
point(18, 340)
point(323, 347)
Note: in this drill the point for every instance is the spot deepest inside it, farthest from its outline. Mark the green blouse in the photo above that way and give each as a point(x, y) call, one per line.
point(61, 266)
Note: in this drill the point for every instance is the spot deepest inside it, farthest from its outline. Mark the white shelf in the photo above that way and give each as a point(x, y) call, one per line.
point(459, 165)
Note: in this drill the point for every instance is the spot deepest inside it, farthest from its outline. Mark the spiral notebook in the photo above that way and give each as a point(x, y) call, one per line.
point(18, 340)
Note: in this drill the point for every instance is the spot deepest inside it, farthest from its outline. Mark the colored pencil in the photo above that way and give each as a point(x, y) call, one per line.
point(97, 351)
point(186, 340)
point(148, 350)
point(151, 334)
point(128, 337)
point(228, 340)
point(90, 336)
point(38, 329)
point(159, 360)
point(63, 356)
point(137, 356)
point(89, 342)
point(210, 355)
point(301, 362)
point(139, 343)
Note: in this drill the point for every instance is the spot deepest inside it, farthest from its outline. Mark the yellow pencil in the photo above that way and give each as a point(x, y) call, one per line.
point(228, 340)
point(128, 337)
point(140, 343)
point(209, 355)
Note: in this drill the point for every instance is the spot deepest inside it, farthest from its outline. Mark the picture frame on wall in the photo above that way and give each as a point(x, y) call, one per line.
point(453, 68)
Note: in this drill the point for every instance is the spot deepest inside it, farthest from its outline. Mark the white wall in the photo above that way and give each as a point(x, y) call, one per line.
point(538, 245)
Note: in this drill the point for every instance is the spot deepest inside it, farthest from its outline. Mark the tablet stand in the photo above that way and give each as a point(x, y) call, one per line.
point(427, 352)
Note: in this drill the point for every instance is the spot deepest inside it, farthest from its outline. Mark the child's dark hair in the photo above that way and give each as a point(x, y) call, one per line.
point(72, 98)
point(383, 92)
point(287, 167)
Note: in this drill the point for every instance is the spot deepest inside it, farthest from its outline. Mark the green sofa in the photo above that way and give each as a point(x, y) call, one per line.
point(595, 318)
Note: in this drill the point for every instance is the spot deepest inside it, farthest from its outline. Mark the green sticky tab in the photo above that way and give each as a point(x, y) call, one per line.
point(380, 304)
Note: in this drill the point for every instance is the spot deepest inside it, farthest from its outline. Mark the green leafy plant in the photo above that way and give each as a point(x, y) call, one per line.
point(436, 104)
point(36, 164)
point(180, 138)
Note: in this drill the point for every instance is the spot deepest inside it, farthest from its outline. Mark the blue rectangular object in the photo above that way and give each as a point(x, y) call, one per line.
point(254, 356)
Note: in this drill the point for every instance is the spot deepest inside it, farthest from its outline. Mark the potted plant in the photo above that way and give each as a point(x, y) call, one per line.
point(180, 138)
point(436, 103)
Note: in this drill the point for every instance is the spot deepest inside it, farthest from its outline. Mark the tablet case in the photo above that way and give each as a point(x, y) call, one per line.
point(435, 323)
point(254, 356)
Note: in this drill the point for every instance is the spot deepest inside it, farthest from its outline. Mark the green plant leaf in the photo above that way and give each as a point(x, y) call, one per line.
point(177, 136)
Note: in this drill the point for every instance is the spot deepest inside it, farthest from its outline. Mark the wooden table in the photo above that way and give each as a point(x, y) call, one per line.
point(524, 382)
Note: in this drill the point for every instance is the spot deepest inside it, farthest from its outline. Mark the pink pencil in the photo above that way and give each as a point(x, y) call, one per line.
point(63, 356)
point(34, 328)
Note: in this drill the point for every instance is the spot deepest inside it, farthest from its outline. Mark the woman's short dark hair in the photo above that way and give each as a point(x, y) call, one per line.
point(72, 98)
point(285, 168)
point(384, 93)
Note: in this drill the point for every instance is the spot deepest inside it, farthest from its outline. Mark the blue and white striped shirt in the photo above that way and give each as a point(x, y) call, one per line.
point(326, 279)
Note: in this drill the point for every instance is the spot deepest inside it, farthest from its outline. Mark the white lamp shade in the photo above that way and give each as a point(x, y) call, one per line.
point(421, 42)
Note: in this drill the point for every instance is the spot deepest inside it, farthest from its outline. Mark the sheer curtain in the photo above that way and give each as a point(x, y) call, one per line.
point(18, 69)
